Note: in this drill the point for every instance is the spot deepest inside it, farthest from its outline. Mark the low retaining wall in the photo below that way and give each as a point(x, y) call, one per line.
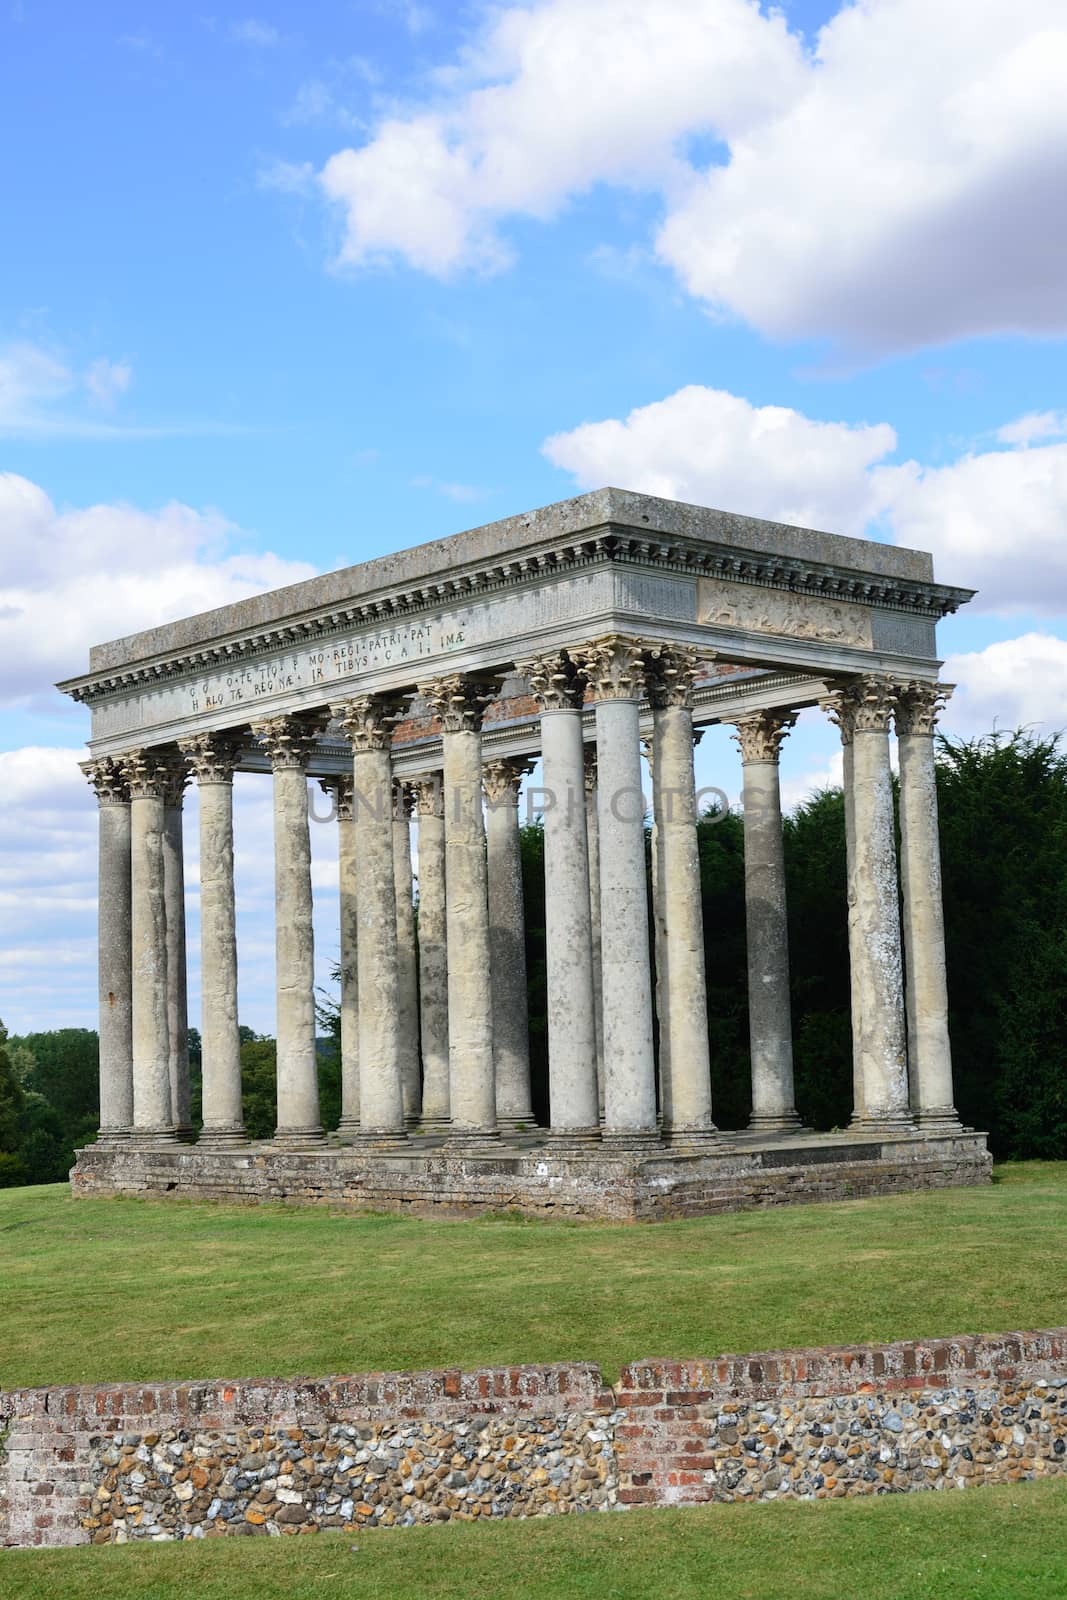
point(172, 1461)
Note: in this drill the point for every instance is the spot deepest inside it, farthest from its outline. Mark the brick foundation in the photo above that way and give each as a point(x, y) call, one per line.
point(168, 1461)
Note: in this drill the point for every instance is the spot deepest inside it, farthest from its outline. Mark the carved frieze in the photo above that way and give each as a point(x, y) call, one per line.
point(791, 615)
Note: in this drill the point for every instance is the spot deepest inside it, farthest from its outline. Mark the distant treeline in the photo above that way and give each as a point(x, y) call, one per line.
point(1003, 808)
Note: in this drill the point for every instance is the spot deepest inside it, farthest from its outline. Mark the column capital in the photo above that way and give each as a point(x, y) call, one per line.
point(862, 705)
point(459, 700)
point(556, 682)
point(211, 757)
point(428, 790)
point(403, 799)
point(760, 734)
point(670, 673)
point(614, 666)
point(108, 779)
point(918, 706)
point(148, 772)
point(589, 756)
point(367, 721)
point(339, 787)
point(502, 779)
point(289, 740)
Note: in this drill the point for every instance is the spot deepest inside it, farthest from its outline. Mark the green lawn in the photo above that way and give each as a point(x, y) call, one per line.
point(141, 1290)
point(1006, 1543)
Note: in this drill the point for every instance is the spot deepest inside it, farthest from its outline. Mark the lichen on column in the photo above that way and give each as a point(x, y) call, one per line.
point(147, 772)
point(501, 781)
point(114, 948)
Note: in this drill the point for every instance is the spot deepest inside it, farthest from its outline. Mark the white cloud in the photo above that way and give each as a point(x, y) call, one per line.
point(72, 578)
point(994, 520)
point(712, 447)
point(106, 380)
point(252, 30)
point(897, 184)
point(1034, 427)
point(548, 100)
point(1014, 683)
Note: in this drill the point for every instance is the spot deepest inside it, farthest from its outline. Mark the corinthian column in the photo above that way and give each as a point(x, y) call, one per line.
point(614, 668)
point(592, 834)
point(177, 965)
point(686, 1084)
point(147, 772)
point(406, 955)
point(212, 758)
point(289, 741)
point(340, 789)
point(501, 781)
point(116, 1039)
point(770, 1025)
point(863, 710)
point(458, 701)
point(929, 1052)
point(368, 722)
point(559, 689)
point(433, 951)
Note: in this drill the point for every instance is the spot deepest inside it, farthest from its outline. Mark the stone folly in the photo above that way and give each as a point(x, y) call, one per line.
point(419, 690)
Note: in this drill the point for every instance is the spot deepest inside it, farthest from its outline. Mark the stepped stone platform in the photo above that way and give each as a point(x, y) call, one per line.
point(526, 1173)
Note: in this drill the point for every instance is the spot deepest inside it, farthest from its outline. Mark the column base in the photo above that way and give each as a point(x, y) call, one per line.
point(572, 1138)
point(885, 1122)
point(436, 1127)
point(298, 1137)
point(112, 1135)
point(938, 1119)
point(383, 1139)
point(775, 1122)
point(632, 1138)
point(519, 1124)
point(692, 1139)
point(223, 1138)
point(159, 1134)
point(348, 1130)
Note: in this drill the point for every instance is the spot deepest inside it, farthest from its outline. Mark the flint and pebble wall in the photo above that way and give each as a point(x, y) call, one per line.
point(114, 1463)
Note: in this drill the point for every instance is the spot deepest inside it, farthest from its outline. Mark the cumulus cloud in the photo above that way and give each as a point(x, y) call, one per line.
point(1014, 683)
point(714, 448)
point(994, 520)
point(1034, 427)
point(71, 578)
point(887, 186)
point(548, 100)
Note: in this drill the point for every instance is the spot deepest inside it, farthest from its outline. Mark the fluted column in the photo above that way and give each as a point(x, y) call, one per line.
point(686, 1083)
point(592, 834)
point(177, 964)
point(501, 781)
point(929, 1051)
point(114, 949)
point(211, 758)
point(368, 722)
point(433, 950)
point(289, 741)
point(458, 701)
point(615, 671)
point(406, 955)
point(863, 710)
point(147, 772)
point(559, 689)
point(770, 1024)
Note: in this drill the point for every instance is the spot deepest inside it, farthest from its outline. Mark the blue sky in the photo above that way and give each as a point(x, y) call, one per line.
point(288, 287)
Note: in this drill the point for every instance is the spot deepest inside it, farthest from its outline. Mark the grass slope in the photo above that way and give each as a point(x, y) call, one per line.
point(1007, 1543)
point(147, 1290)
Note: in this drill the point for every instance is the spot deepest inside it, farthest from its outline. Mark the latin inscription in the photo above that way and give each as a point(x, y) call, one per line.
point(305, 669)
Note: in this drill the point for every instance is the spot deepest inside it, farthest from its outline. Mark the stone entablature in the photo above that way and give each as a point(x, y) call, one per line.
point(119, 1462)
